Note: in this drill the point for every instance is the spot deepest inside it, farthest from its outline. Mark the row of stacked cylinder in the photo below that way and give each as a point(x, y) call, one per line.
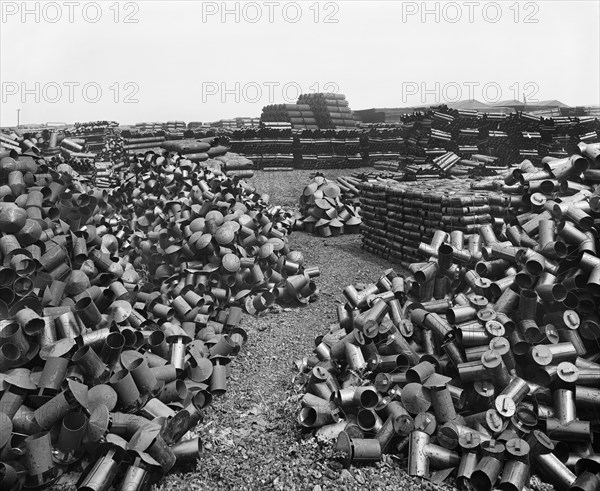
point(397, 217)
point(273, 148)
point(504, 137)
point(120, 312)
point(330, 110)
point(300, 116)
point(442, 142)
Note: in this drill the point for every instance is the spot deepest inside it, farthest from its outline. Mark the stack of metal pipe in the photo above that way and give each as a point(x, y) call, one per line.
point(384, 145)
point(120, 313)
point(268, 148)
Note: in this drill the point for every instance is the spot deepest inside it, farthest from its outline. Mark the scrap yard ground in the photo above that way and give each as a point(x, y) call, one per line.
point(251, 436)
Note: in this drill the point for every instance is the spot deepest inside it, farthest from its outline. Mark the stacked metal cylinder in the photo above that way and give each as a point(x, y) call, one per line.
point(268, 148)
point(196, 150)
point(483, 142)
point(235, 165)
point(330, 110)
point(169, 126)
point(325, 211)
point(399, 216)
point(482, 363)
point(300, 116)
point(285, 149)
point(120, 313)
point(142, 142)
point(383, 144)
point(326, 149)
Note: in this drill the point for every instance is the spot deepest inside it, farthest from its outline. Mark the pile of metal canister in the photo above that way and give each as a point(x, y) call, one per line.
point(482, 363)
point(324, 211)
point(120, 312)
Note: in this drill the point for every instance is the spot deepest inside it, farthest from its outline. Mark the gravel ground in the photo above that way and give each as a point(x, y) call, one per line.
point(284, 188)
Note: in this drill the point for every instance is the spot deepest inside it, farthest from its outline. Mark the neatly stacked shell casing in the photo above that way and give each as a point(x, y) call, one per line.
point(268, 148)
point(383, 144)
point(326, 149)
point(398, 216)
point(120, 312)
point(330, 110)
point(327, 209)
point(300, 116)
point(169, 126)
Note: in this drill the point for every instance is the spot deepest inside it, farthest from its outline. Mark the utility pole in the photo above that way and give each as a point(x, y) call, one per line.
point(18, 117)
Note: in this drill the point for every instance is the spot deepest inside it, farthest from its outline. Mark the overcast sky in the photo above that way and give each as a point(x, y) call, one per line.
point(203, 61)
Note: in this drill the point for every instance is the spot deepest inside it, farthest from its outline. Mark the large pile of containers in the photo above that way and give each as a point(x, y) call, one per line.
point(479, 365)
point(120, 311)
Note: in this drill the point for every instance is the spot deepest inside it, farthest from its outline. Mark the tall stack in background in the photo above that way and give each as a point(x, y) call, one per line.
point(330, 110)
point(299, 116)
point(175, 126)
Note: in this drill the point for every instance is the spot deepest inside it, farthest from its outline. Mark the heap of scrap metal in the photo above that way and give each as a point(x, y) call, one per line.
point(120, 313)
point(482, 364)
point(325, 211)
